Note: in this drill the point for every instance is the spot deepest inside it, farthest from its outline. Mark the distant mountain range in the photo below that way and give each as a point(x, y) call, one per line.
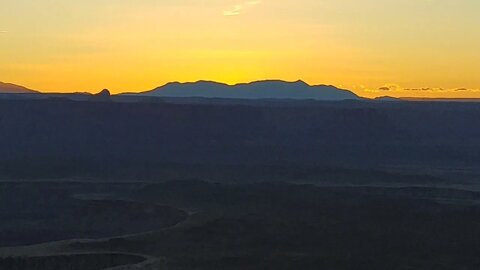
point(270, 89)
point(209, 91)
point(9, 88)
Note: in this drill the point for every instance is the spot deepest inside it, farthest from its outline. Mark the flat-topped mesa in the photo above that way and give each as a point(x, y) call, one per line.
point(103, 95)
point(267, 89)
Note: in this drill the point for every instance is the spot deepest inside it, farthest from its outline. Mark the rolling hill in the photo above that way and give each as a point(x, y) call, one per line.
point(9, 88)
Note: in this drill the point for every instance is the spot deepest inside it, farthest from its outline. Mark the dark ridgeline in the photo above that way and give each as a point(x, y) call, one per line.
point(56, 136)
point(268, 89)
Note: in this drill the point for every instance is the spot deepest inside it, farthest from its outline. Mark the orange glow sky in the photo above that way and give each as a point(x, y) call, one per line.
point(415, 48)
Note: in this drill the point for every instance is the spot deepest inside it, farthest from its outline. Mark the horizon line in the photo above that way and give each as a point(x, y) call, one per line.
point(340, 87)
point(180, 82)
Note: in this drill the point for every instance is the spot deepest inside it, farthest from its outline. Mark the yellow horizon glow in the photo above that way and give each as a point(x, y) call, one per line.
point(414, 48)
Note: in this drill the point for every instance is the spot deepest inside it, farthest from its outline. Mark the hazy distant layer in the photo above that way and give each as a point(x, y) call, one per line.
point(58, 135)
point(255, 90)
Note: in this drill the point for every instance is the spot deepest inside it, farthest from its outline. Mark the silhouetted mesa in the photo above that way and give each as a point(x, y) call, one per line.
point(271, 89)
point(103, 95)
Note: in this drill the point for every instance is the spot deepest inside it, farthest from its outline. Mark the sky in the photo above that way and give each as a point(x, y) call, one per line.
point(409, 48)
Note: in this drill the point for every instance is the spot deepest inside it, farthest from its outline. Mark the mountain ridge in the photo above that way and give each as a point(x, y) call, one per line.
point(263, 89)
point(10, 90)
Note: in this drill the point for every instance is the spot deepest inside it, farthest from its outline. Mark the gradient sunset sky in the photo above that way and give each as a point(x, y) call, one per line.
point(412, 48)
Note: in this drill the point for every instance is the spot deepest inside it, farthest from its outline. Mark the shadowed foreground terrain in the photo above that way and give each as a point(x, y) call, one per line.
point(71, 262)
point(33, 213)
point(264, 185)
point(273, 226)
